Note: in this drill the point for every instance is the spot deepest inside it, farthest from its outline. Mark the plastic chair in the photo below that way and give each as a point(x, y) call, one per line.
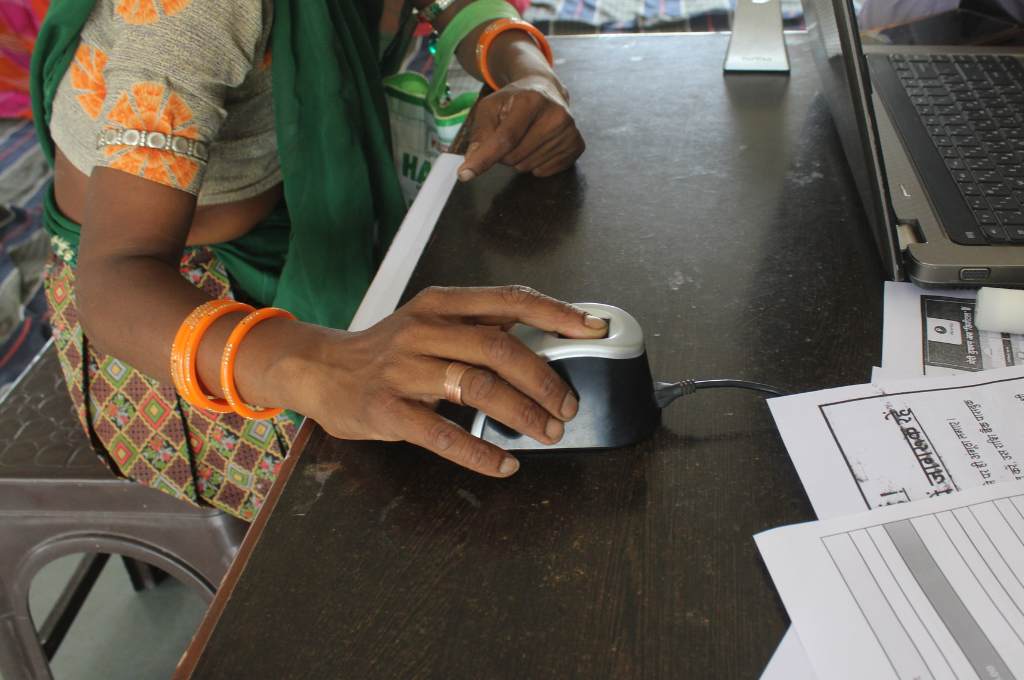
point(57, 498)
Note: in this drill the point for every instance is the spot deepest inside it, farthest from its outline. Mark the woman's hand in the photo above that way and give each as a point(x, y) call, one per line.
point(382, 383)
point(527, 125)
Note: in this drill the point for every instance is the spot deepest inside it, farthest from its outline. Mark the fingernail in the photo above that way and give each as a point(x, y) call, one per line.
point(594, 322)
point(554, 429)
point(466, 174)
point(508, 466)
point(569, 406)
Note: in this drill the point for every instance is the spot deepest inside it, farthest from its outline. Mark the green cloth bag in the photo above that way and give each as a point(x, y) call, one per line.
point(424, 122)
point(344, 201)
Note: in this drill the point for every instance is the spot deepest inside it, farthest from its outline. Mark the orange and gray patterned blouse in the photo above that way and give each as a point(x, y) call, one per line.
point(175, 91)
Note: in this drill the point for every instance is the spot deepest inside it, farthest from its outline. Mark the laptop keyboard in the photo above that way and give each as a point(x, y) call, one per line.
point(973, 109)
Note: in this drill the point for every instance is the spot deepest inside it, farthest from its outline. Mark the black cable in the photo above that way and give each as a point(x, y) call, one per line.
point(666, 393)
point(741, 384)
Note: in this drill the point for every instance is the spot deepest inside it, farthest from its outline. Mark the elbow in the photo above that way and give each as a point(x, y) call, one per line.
point(92, 305)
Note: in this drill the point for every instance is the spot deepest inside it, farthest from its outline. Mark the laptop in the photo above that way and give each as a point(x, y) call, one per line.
point(934, 137)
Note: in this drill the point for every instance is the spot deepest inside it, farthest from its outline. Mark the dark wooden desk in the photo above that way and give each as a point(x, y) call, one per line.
point(717, 210)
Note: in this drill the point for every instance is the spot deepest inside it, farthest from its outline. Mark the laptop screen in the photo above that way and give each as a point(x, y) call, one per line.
point(878, 13)
point(844, 76)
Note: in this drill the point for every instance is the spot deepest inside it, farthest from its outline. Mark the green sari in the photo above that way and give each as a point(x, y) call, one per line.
point(344, 202)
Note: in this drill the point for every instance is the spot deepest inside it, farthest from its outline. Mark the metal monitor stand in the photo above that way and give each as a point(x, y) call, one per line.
point(757, 42)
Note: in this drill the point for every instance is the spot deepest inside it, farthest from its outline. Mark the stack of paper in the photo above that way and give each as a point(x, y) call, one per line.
point(930, 589)
point(956, 427)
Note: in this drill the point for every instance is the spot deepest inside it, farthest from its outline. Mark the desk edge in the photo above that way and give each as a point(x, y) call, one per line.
point(190, 658)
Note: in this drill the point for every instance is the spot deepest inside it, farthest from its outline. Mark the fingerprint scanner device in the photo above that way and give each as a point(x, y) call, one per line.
point(1000, 310)
point(610, 376)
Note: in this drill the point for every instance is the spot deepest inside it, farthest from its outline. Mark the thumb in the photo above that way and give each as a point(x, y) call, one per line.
point(496, 131)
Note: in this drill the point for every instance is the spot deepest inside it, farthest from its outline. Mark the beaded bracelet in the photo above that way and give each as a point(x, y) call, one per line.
point(495, 29)
point(430, 13)
point(227, 363)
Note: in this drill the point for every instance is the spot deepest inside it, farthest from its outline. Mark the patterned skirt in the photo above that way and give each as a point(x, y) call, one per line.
point(145, 432)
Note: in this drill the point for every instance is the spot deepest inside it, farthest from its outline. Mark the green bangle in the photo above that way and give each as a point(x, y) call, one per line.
point(462, 24)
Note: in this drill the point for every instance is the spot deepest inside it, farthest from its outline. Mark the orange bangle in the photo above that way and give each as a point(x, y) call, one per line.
point(181, 338)
point(194, 392)
point(177, 347)
point(496, 28)
point(227, 363)
point(185, 353)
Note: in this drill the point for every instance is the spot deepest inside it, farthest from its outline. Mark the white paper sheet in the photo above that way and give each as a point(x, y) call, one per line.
point(914, 317)
point(867, 446)
point(789, 662)
point(930, 332)
point(931, 589)
point(404, 253)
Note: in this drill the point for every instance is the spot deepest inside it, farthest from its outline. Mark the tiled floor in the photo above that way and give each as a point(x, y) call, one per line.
point(119, 634)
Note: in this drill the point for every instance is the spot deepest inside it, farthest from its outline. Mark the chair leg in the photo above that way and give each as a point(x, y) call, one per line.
point(143, 576)
point(64, 611)
point(21, 655)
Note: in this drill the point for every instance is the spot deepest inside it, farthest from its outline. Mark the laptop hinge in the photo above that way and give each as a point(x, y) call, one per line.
point(906, 233)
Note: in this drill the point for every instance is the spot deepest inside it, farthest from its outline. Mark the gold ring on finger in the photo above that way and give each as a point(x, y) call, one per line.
point(453, 381)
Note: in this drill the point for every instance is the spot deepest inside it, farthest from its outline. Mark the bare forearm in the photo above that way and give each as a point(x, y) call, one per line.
point(131, 308)
point(132, 297)
point(513, 56)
